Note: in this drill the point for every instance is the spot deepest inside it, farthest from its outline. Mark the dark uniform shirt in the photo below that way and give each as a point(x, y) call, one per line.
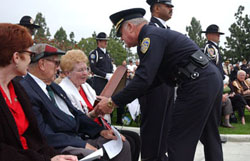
point(213, 53)
point(100, 62)
point(161, 52)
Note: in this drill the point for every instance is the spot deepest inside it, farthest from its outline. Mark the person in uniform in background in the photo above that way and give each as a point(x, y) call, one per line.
point(28, 22)
point(155, 146)
point(100, 63)
point(101, 66)
point(161, 11)
point(212, 49)
point(173, 58)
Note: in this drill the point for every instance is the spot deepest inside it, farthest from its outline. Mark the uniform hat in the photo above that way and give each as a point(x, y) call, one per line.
point(167, 2)
point(27, 21)
point(44, 50)
point(119, 17)
point(102, 36)
point(213, 29)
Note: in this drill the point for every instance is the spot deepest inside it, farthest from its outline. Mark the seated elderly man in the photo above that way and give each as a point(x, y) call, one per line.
point(66, 129)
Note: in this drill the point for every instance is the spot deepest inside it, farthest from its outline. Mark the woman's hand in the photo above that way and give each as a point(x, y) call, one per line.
point(108, 134)
point(64, 158)
point(90, 147)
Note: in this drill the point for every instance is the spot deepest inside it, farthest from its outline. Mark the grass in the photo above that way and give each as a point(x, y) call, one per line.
point(238, 127)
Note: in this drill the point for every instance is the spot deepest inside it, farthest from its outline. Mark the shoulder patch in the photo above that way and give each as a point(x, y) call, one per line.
point(145, 45)
point(211, 52)
point(92, 56)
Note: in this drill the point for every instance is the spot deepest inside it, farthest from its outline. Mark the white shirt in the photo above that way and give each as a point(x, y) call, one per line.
point(162, 21)
point(104, 50)
point(60, 102)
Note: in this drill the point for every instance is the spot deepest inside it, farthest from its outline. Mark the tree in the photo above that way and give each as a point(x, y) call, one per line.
point(43, 31)
point(194, 33)
point(72, 36)
point(87, 45)
point(237, 45)
point(61, 35)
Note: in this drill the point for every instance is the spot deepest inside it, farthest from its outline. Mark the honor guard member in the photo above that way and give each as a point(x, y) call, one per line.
point(155, 144)
point(28, 22)
point(101, 63)
point(161, 11)
point(212, 49)
point(172, 58)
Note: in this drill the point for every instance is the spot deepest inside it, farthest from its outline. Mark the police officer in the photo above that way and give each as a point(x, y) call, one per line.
point(161, 11)
point(28, 22)
point(211, 48)
point(100, 63)
point(154, 145)
point(173, 58)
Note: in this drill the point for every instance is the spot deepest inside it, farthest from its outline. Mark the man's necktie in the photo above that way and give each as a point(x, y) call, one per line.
point(51, 94)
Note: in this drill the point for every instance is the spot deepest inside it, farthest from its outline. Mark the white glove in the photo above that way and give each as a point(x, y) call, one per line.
point(108, 76)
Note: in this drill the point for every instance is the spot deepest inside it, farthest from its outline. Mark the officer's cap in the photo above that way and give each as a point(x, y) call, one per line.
point(102, 36)
point(44, 50)
point(167, 2)
point(213, 29)
point(124, 15)
point(28, 22)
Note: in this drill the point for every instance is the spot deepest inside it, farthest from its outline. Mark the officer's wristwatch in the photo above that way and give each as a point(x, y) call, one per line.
point(110, 104)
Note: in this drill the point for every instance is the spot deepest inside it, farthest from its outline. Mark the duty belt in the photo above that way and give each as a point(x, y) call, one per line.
point(197, 60)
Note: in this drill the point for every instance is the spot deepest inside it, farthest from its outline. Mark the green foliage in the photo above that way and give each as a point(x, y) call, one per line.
point(116, 47)
point(194, 33)
point(87, 45)
point(43, 31)
point(238, 43)
point(61, 35)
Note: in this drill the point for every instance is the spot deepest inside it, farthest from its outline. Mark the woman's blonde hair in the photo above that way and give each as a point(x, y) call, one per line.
point(71, 58)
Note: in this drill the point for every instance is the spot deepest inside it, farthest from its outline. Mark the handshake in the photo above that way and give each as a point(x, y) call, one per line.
point(104, 106)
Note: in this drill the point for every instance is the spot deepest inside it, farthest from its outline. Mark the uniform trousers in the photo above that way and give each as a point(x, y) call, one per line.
point(196, 116)
point(156, 106)
point(99, 84)
point(135, 143)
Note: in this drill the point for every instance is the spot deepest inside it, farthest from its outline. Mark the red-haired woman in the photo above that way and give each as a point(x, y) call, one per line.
point(20, 138)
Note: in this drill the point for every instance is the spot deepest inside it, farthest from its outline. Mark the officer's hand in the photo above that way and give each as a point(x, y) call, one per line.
point(64, 158)
point(108, 134)
point(108, 76)
point(102, 107)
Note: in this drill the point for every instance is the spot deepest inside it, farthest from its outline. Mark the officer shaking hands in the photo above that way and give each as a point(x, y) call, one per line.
point(100, 63)
point(174, 59)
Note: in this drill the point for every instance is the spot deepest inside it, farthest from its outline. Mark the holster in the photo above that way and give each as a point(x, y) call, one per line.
point(197, 60)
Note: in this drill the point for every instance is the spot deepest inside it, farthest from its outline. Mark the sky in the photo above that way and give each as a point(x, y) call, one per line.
point(84, 17)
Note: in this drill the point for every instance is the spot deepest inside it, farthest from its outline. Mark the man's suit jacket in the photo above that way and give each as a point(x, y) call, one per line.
point(60, 129)
point(10, 144)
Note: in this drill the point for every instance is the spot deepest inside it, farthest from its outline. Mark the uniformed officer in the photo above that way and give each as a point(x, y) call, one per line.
point(154, 146)
point(161, 11)
point(28, 22)
point(100, 63)
point(173, 58)
point(212, 49)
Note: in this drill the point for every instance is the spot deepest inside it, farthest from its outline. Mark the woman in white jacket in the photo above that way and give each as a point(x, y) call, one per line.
point(83, 96)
